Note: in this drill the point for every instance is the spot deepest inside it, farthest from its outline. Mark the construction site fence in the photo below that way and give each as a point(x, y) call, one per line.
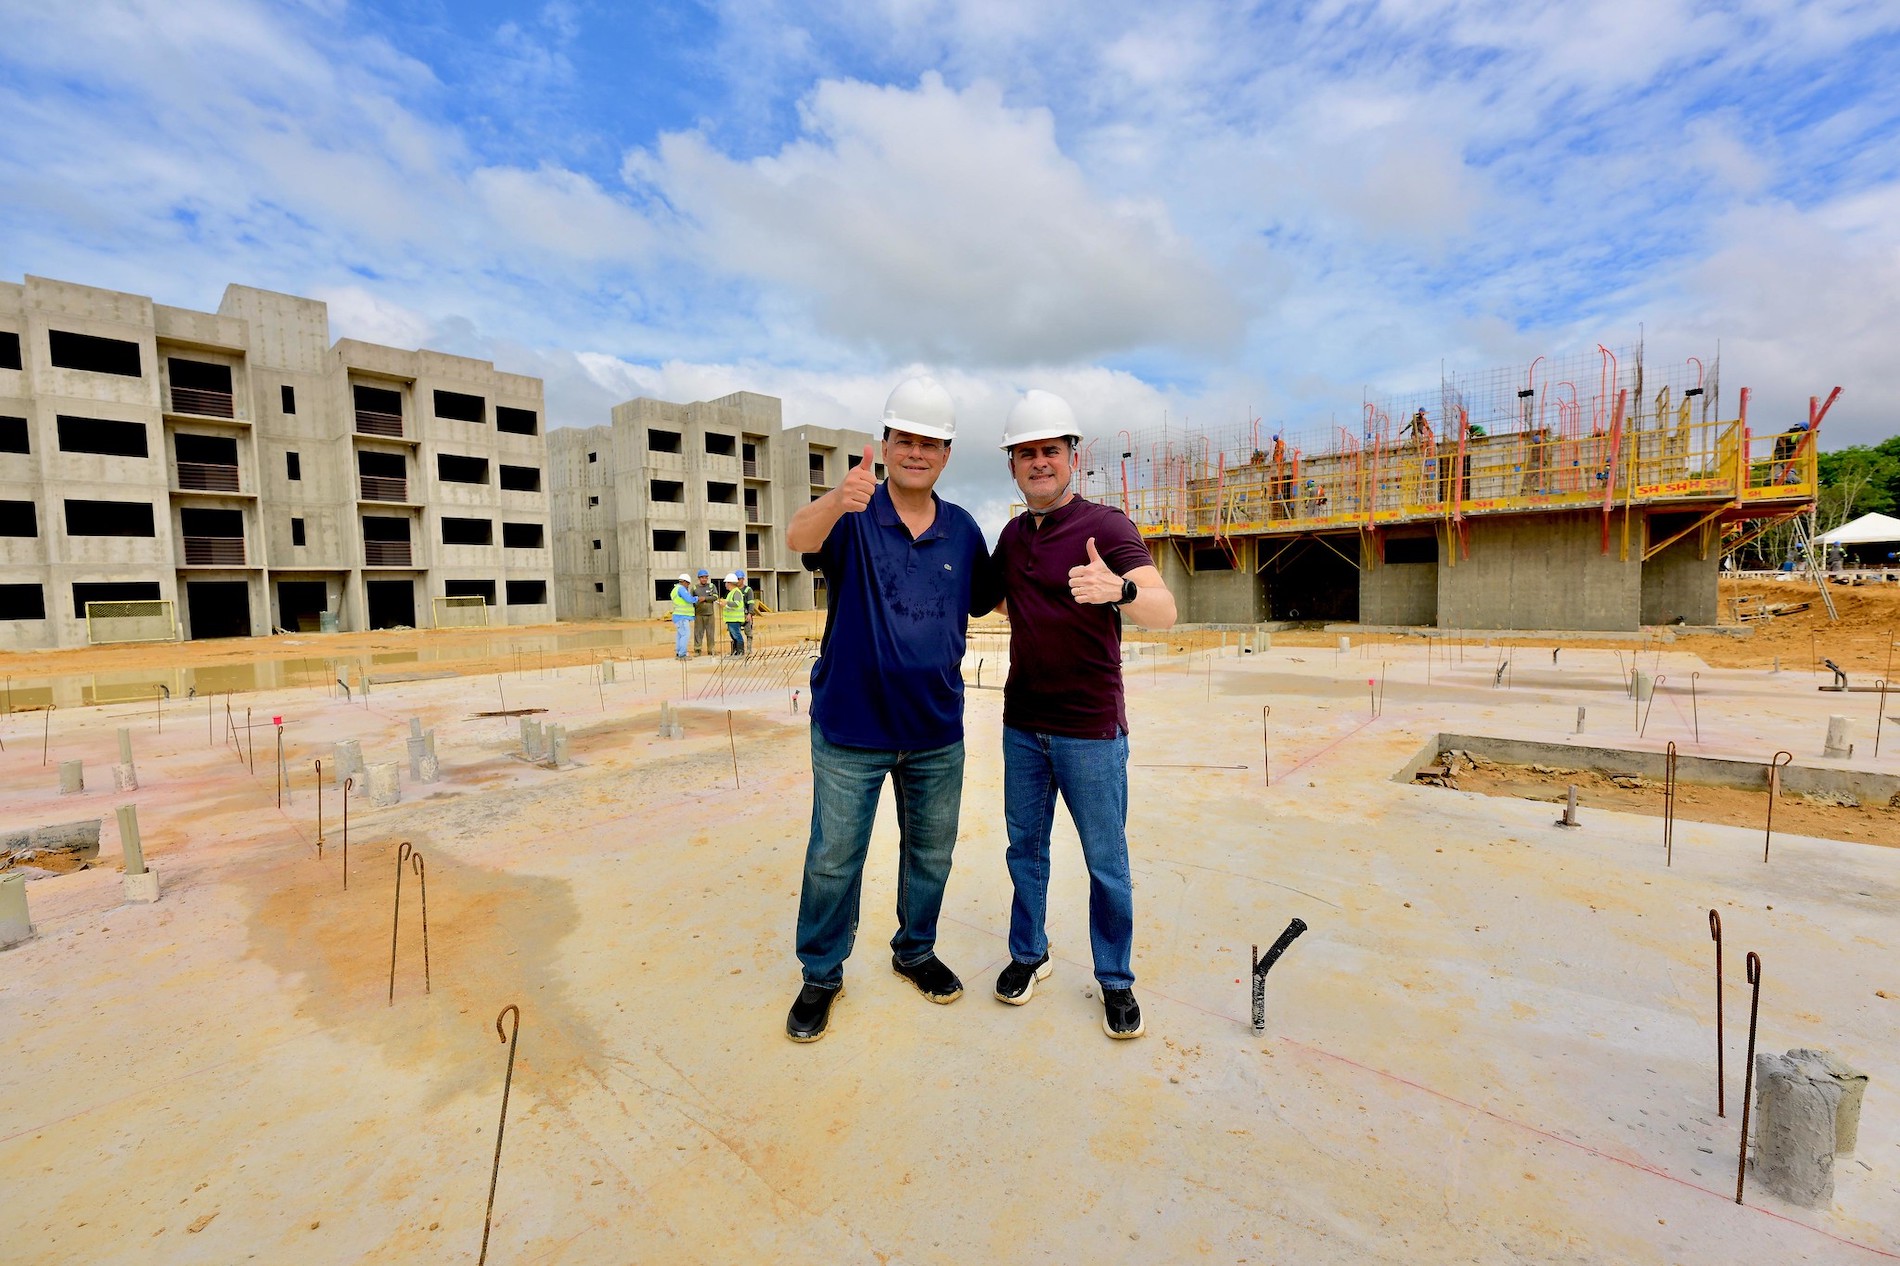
point(1182, 490)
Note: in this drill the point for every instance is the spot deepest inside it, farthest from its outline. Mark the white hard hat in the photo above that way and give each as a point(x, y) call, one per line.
point(1040, 415)
point(685, 579)
point(922, 407)
point(732, 577)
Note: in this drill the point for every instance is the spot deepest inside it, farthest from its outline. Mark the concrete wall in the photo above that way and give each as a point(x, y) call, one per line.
point(1677, 584)
point(1211, 597)
point(1545, 571)
point(582, 505)
point(1399, 593)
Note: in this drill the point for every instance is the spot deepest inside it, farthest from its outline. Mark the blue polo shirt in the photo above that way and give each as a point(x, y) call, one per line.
point(889, 673)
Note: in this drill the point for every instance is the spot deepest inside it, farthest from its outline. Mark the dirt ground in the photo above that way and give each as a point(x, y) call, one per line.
point(1877, 824)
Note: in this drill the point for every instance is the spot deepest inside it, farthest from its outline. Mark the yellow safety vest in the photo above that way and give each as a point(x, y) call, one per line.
point(682, 601)
point(735, 606)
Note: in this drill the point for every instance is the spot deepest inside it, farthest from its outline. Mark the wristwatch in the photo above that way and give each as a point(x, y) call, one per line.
point(1129, 591)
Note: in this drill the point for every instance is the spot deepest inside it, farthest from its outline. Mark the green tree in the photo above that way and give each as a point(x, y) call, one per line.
point(1857, 480)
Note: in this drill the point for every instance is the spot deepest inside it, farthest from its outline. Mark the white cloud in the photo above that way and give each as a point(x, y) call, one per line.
point(938, 223)
point(561, 212)
point(361, 314)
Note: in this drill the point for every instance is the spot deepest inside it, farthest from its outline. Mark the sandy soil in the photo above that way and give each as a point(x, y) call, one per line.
point(1877, 824)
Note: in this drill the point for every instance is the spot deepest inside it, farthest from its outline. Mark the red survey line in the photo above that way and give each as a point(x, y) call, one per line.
point(1329, 747)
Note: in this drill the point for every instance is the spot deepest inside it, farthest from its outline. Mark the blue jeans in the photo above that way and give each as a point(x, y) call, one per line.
point(846, 783)
point(736, 632)
point(1092, 777)
point(682, 636)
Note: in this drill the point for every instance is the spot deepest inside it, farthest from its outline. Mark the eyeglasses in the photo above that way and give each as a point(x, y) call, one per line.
point(928, 448)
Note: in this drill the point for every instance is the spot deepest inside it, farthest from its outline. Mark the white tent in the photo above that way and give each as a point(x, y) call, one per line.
point(1868, 529)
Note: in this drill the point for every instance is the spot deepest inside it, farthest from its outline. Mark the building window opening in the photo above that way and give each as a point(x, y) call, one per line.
point(97, 435)
point(19, 518)
point(483, 589)
point(468, 531)
point(527, 593)
point(667, 541)
point(110, 518)
point(22, 602)
point(520, 478)
point(722, 494)
point(517, 421)
point(289, 399)
point(666, 490)
point(112, 591)
point(522, 535)
point(459, 407)
point(293, 467)
point(721, 445)
point(817, 463)
point(10, 359)
point(200, 387)
point(296, 532)
point(93, 354)
point(14, 436)
point(662, 441)
point(453, 469)
point(206, 463)
point(722, 542)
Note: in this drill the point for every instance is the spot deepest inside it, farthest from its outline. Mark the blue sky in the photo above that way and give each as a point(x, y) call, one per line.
point(1207, 210)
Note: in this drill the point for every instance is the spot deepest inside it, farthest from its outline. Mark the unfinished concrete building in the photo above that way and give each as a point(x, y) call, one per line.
point(246, 474)
point(669, 488)
point(1505, 500)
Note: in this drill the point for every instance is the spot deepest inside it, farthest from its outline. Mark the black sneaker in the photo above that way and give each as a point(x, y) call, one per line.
point(811, 1013)
point(1121, 1014)
point(1017, 984)
point(933, 980)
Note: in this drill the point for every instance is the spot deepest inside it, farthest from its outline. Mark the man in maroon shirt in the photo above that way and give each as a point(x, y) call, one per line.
point(1070, 569)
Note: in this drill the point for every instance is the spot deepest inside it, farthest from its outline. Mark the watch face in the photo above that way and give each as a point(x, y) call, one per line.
point(1129, 591)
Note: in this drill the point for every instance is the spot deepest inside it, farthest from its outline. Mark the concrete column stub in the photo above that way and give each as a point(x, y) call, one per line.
point(1837, 746)
point(129, 843)
point(1853, 1088)
point(125, 776)
point(348, 760)
point(15, 926)
point(1797, 1103)
point(385, 784)
point(72, 777)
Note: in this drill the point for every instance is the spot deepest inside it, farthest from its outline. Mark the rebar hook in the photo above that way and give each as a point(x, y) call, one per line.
point(507, 1083)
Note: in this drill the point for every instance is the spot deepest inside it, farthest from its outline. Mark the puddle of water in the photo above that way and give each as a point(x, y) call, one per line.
point(322, 663)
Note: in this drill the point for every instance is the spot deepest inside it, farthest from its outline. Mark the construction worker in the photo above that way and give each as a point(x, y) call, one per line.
point(705, 613)
point(682, 597)
point(904, 570)
point(1070, 570)
point(732, 611)
point(751, 605)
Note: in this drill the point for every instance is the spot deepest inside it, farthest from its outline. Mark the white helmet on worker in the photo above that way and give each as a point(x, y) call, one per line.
point(1040, 415)
point(921, 406)
point(685, 579)
point(732, 577)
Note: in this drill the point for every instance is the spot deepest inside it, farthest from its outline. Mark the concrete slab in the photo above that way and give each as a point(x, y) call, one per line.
point(1496, 1043)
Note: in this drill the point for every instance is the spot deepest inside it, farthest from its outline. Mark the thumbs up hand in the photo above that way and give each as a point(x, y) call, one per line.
point(1093, 582)
point(859, 483)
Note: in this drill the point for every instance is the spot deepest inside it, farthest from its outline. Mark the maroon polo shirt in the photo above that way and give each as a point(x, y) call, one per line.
point(1065, 659)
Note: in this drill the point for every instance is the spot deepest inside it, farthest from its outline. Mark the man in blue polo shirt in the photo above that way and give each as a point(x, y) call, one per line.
point(904, 571)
